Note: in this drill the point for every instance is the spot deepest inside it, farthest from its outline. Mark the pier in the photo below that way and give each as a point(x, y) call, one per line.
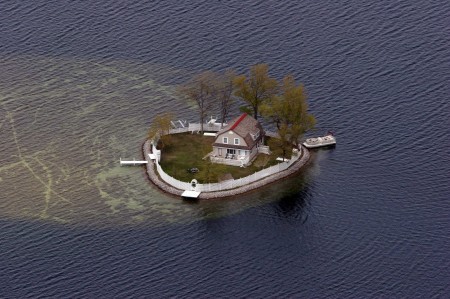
point(132, 163)
point(190, 194)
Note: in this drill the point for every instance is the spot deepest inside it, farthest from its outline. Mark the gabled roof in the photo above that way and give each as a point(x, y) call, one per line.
point(245, 126)
point(238, 121)
point(242, 125)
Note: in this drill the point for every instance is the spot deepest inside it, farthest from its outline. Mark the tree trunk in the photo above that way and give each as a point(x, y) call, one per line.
point(201, 123)
point(222, 121)
point(255, 112)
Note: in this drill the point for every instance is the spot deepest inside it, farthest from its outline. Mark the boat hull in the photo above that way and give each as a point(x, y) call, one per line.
point(320, 141)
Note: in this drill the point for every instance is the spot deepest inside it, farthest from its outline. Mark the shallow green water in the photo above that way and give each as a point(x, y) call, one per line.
point(65, 124)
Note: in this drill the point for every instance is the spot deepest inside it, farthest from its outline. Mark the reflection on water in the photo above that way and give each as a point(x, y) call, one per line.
point(66, 122)
point(294, 206)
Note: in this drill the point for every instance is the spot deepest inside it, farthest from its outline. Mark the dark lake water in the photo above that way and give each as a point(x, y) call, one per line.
point(80, 82)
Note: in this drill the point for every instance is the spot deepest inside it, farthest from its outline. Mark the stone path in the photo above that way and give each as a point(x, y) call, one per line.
point(153, 176)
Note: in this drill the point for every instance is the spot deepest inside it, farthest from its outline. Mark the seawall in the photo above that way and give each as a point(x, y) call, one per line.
point(155, 179)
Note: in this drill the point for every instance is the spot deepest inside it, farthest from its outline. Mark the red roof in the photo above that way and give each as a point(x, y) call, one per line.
point(238, 121)
point(244, 126)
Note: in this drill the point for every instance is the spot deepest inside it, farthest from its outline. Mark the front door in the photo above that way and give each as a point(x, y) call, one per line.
point(231, 153)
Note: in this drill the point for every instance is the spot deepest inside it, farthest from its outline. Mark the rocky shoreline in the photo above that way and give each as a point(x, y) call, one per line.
point(155, 179)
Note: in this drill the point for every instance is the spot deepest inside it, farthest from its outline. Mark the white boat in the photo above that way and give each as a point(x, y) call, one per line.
point(326, 140)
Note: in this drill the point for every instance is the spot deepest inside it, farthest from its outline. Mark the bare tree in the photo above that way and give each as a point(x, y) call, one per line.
point(225, 88)
point(201, 90)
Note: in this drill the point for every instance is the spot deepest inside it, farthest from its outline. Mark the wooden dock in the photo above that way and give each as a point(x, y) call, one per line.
point(190, 194)
point(132, 163)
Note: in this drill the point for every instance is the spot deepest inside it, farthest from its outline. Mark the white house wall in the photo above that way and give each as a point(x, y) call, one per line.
point(231, 136)
point(216, 151)
point(253, 152)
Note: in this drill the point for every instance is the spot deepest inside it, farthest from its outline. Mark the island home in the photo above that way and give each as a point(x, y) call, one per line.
point(238, 142)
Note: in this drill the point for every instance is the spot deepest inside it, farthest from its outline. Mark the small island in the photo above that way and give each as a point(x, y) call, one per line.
point(214, 158)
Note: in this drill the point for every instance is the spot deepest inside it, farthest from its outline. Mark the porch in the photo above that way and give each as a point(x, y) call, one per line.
point(231, 159)
point(231, 156)
point(236, 157)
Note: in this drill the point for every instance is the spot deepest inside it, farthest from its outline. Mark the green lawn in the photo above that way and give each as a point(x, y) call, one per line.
point(181, 152)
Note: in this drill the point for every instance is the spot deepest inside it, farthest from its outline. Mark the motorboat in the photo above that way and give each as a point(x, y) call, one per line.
point(326, 140)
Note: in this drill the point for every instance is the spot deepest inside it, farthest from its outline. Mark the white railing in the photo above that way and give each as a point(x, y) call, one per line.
point(215, 127)
point(264, 149)
point(233, 162)
point(170, 180)
point(178, 130)
point(230, 184)
point(195, 127)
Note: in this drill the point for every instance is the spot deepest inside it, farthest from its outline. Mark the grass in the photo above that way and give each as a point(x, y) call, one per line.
point(181, 152)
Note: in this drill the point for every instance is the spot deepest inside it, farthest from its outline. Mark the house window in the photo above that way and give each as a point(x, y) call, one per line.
point(236, 141)
point(225, 140)
point(256, 135)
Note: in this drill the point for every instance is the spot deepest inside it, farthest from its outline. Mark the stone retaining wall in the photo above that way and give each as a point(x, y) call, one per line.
point(153, 176)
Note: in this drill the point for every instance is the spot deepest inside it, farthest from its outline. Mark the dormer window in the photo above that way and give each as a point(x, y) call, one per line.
point(236, 141)
point(255, 136)
point(225, 140)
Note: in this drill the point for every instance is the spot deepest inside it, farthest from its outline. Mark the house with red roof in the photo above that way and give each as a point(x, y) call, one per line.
point(238, 142)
